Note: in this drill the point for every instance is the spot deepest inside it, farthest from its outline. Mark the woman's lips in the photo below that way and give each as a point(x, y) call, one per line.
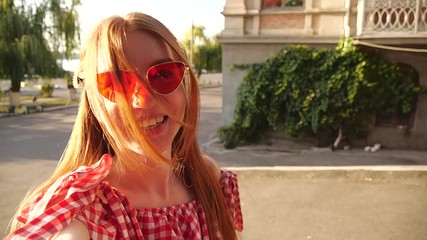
point(153, 122)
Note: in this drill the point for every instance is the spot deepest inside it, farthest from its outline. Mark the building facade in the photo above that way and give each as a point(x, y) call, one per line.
point(396, 29)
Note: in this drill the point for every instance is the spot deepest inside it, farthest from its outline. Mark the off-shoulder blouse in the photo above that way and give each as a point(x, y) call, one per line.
point(85, 196)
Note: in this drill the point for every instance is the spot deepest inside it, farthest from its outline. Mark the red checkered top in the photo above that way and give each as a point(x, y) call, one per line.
point(85, 196)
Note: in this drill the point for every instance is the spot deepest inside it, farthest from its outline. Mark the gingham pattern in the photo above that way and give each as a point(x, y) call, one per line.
point(83, 195)
point(230, 189)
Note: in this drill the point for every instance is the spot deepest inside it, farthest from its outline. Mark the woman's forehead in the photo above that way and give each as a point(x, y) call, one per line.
point(141, 50)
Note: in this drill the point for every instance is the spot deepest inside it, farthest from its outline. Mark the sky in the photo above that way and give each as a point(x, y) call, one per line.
point(177, 15)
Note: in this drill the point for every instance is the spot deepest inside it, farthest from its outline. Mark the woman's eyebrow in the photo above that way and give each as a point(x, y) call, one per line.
point(163, 60)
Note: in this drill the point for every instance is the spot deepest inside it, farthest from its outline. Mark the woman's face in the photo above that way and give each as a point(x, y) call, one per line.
point(143, 50)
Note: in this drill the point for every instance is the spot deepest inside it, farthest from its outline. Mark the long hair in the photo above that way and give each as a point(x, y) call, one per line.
point(90, 139)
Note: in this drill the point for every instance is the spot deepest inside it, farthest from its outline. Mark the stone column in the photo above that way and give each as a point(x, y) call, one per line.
point(234, 11)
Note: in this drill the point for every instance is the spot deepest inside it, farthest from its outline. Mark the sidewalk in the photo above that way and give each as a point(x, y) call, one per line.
point(296, 191)
point(287, 153)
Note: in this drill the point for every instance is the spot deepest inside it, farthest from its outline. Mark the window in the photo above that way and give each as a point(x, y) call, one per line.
point(395, 119)
point(398, 119)
point(282, 3)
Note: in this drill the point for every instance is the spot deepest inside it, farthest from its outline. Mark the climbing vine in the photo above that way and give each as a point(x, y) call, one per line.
point(305, 91)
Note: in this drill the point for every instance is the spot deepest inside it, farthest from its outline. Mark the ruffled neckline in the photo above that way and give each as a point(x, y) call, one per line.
point(192, 204)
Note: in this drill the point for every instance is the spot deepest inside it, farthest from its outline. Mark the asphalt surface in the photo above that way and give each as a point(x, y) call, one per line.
point(288, 190)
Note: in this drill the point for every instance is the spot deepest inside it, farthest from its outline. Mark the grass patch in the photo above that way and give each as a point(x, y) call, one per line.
point(58, 102)
point(23, 98)
point(46, 102)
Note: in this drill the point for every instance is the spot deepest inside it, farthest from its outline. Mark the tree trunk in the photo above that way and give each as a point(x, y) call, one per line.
point(15, 86)
point(14, 99)
point(72, 94)
point(338, 139)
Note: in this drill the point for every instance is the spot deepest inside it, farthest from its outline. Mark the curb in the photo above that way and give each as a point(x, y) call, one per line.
point(353, 173)
point(397, 168)
point(48, 109)
point(62, 107)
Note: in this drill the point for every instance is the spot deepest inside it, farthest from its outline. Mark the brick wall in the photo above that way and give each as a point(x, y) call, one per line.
point(282, 21)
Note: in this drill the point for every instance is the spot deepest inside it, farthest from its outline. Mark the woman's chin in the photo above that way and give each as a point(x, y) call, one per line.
point(161, 148)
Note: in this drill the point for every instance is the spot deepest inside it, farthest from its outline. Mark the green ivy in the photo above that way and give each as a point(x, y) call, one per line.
point(306, 91)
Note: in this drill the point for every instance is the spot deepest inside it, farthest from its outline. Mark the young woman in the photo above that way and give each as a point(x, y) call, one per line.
point(133, 168)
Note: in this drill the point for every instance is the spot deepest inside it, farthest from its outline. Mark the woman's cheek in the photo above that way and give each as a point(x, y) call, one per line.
point(113, 113)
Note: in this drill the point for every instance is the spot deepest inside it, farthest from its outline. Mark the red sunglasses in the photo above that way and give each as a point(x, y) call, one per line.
point(164, 78)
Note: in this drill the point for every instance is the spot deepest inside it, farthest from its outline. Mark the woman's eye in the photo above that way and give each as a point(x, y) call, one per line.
point(162, 75)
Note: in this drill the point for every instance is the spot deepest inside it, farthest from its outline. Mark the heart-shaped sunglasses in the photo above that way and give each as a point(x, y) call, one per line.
point(163, 78)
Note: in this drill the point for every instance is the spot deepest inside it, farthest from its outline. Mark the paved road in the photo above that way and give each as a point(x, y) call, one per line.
point(288, 191)
point(30, 146)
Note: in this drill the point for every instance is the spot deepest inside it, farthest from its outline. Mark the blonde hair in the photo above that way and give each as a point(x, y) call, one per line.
point(89, 139)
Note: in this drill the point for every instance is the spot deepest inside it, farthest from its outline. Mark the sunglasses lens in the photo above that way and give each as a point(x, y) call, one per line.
point(166, 77)
point(163, 78)
point(109, 85)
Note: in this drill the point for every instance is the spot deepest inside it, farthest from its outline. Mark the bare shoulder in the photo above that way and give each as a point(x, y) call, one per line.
point(213, 165)
point(76, 230)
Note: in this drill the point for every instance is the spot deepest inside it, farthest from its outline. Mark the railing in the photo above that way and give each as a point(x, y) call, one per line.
point(406, 17)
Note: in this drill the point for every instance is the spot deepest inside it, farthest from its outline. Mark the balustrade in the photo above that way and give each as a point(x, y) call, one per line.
point(392, 16)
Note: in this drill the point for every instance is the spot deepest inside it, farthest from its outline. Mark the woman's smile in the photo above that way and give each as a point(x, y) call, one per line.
point(154, 127)
point(153, 122)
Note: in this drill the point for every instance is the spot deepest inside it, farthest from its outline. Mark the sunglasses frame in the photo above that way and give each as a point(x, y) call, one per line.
point(186, 69)
point(135, 82)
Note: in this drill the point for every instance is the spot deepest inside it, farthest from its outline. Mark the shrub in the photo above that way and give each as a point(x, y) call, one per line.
point(304, 91)
point(47, 89)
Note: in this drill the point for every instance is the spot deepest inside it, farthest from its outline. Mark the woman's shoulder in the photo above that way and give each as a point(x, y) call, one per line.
point(230, 189)
point(76, 230)
point(213, 166)
point(225, 177)
point(55, 208)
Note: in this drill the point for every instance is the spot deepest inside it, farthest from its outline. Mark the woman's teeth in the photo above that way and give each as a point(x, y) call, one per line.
point(149, 123)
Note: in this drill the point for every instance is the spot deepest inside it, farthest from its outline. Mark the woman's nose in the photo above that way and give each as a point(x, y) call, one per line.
point(142, 98)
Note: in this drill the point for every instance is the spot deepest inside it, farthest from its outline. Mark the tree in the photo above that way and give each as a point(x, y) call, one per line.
point(214, 55)
point(205, 52)
point(33, 37)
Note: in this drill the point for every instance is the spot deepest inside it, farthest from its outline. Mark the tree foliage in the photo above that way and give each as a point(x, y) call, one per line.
point(206, 52)
point(34, 36)
point(304, 91)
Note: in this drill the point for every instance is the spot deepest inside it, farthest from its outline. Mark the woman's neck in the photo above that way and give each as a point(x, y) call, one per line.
point(152, 185)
